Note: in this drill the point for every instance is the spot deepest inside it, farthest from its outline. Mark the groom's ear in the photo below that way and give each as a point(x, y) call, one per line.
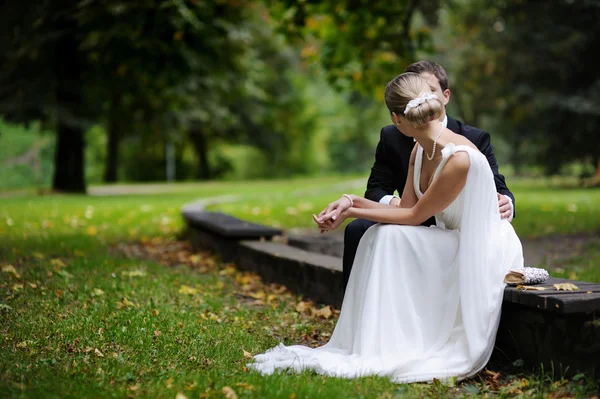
point(446, 96)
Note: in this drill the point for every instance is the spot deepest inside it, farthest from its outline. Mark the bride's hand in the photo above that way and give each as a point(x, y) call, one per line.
point(326, 224)
point(334, 209)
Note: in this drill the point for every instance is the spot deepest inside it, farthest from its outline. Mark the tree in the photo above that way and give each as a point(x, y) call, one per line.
point(544, 56)
point(71, 63)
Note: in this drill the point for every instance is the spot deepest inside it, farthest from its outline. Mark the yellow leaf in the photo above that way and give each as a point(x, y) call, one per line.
point(97, 292)
point(23, 344)
point(228, 270)
point(98, 353)
point(186, 289)
point(324, 312)
point(17, 287)
point(92, 230)
point(33, 285)
point(258, 295)
point(170, 383)
point(180, 396)
point(229, 393)
point(38, 255)
point(11, 269)
point(57, 263)
point(303, 306)
point(134, 273)
point(247, 354)
point(566, 287)
point(134, 387)
point(529, 288)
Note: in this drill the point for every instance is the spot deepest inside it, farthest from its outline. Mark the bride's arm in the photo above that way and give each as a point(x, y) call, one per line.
point(443, 192)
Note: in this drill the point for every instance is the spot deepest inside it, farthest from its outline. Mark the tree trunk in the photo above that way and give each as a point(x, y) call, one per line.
point(112, 151)
point(69, 174)
point(596, 179)
point(201, 147)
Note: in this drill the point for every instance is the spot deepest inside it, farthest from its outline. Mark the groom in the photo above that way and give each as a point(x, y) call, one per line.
point(389, 171)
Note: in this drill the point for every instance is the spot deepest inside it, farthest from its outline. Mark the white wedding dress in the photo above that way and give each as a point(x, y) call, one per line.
point(421, 302)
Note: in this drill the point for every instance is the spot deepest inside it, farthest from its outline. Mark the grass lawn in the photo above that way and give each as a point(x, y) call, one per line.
point(542, 207)
point(98, 299)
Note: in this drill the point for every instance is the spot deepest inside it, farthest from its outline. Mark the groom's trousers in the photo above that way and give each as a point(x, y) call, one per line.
point(352, 235)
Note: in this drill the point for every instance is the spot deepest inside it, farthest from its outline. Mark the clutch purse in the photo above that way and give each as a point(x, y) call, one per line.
point(526, 275)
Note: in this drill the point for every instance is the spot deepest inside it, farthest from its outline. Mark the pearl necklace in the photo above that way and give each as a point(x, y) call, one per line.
point(435, 142)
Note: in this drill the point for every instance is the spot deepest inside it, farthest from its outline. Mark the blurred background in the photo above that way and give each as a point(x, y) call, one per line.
point(95, 92)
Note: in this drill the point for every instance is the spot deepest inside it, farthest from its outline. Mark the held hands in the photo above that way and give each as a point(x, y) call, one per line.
point(334, 214)
point(505, 208)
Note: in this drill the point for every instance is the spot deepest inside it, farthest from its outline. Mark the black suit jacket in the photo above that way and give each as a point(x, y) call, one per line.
point(392, 156)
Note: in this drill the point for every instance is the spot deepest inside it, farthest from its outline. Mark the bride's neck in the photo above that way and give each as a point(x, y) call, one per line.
point(426, 136)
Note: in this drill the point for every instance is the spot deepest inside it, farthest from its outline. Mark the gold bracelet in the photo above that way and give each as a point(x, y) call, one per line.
point(347, 196)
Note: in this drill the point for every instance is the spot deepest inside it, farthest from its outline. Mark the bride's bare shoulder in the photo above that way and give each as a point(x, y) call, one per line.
point(462, 140)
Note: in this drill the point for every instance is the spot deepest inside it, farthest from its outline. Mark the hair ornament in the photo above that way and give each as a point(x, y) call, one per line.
point(415, 102)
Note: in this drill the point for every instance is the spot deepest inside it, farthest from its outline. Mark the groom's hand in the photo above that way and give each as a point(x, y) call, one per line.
point(505, 208)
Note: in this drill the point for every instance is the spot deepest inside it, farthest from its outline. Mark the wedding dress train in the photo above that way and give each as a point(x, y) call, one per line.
point(421, 302)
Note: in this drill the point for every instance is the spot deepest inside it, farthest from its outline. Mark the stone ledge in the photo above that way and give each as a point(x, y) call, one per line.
point(228, 226)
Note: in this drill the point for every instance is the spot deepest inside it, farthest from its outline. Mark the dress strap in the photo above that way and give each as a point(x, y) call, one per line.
point(447, 152)
point(417, 171)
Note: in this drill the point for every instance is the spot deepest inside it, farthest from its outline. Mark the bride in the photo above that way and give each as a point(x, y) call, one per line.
point(421, 302)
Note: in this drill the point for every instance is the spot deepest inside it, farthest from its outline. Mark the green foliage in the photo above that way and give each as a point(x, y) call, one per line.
point(359, 44)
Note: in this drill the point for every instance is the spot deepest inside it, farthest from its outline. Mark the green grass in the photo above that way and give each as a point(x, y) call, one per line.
point(542, 208)
point(81, 318)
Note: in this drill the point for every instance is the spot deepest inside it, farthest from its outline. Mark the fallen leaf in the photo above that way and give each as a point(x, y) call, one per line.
point(97, 292)
point(126, 303)
point(186, 289)
point(134, 273)
point(589, 292)
point(229, 393)
point(57, 263)
point(157, 333)
point(302, 306)
point(244, 385)
point(169, 383)
point(33, 285)
point(11, 269)
point(134, 387)
point(98, 353)
point(17, 287)
point(65, 274)
point(324, 312)
point(529, 288)
point(38, 255)
point(566, 287)
point(180, 396)
point(247, 354)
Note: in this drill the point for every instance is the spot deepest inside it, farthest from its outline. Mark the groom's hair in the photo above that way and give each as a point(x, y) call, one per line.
point(430, 67)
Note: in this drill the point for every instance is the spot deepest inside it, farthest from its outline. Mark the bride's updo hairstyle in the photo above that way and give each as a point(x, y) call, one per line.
point(407, 87)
